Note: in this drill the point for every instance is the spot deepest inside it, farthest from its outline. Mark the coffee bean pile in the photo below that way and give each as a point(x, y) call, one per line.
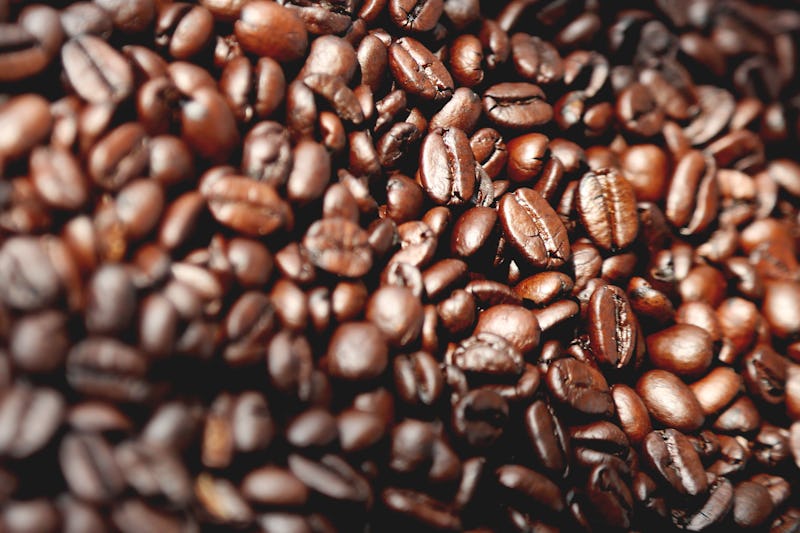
point(311, 266)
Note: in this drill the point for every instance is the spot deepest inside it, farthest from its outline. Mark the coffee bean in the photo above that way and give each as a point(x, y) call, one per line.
point(534, 229)
point(29, 418)
point(612, 328)
point(535, 59)
point(25, 121)
point(682, 349)
point(531, 486)
point(489, 354)
point(397, 313)
point(29, 278)
point(670, 401)
point(96, 71)
point(516, 105)
point(89, 467)
point(357, 351)
point(716, 389)
point(447, 167)
point(38, 342)
point(479, 417)
point(421, 509)
point(331, 477)
point(514, 323)
point(58, 178)
point(251, 207)
point(548, 437)
point(338, 246)
point(607, 206)
point(580, 386)
point(260, 29)
point(713, 510)
point(418, 71)
point(671, 455)
point(106, 368)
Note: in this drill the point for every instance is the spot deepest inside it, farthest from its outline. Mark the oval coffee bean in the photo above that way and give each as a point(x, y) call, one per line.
point(516, 105)
point(252, 207)
point(418, 71)
point(96, 71)
point(580, 386)
point(339, 246)
point(670, 401)
point(532, 226)
point(606, 204)
point(447, 167)
point(612, 326)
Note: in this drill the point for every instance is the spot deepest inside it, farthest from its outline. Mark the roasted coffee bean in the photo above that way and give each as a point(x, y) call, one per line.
point(270, 485)
point(670, 401)
point(683, 349)
point(514, 323)
point(479, 417)
point(251, 207)
point(716, 389)
point(417, 378)
point(411, 15)
point(106, 368)
point(261, 27)
point(714, 509)
point(548, 437)
point(357, 351)
point(29, 419)
point(418, 71)
point(606, 203)
point(30, 280)
point(338, 246)
point(331, 477)
point(612, 328)
point(465, 61)
point(489, 354)
point(447, 167)
point(25, 121)
point(530, 486)
point(90, 468)
point(516, 105)
point(184, 30)
point(534, 229)
point(669, 453)
point(96, 71)
point(421, 509)
point(580, 386)
point(692, 197)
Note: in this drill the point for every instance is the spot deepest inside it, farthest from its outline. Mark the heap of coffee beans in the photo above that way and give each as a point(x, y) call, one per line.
point(311, 266)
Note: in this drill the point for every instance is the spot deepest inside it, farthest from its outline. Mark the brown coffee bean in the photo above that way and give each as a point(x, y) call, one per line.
point(612, 326)
point(488, 354)
point(417, 378)
point(535, 488)
point(606, 204)
point(684, 349)
point(397, 313)
point(580, 386)
point(58, 178)
point(418, 71)
point(534, 229)
point(447, 167)
point(717, 389)
point(516, 105)
point(88, 465)
point(252, 207)
point(548, 437)
point(357, 351)
point(25, 121)
point(268, 29)
point(96, 71)
point(692, 197)
point(29, 418)
point(339, 246)
point(514, 323)
point(670, 401)
point(672, 456)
